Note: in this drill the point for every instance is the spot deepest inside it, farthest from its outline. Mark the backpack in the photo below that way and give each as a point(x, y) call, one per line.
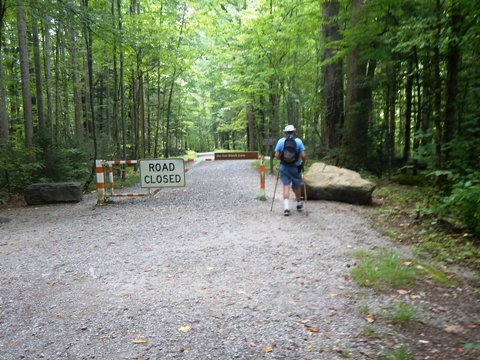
point(289, 153)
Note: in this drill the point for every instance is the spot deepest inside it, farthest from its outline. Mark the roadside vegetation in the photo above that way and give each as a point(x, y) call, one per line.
point(416, 216)
point(436, 226)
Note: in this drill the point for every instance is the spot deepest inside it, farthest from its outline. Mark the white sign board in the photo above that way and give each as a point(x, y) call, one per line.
point(158, 173)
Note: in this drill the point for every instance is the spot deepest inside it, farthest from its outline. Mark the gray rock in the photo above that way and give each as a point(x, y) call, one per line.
point(37, 194)
point(327, 182)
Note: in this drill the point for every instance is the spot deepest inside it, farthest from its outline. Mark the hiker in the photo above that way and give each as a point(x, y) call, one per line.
point(291, 153)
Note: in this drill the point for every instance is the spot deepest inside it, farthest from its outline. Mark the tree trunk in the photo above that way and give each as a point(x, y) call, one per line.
point(134, 114)
point(88, 43)
point(390, 100)
point(251, 127)
point(172, 84)
point(65, 91)
point(419, 110)
point(4, 122)
point(333, 79)
point(159, 111)
point(148, 115)
point(169, 115)
point(123, 115)
point(453, 68)
point(437, 102)
point(38, 78)
point(25, 76)
point(48, 76)
point(408, 111)
point(116, 128)
point(56, 126)
point(141, 111)
point(358, 103)
point(77, 94)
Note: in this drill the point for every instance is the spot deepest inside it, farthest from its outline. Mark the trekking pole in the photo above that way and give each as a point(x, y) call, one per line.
point(305, 196)
point(275, 191)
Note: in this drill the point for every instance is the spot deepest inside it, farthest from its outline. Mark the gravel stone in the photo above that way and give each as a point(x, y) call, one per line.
point(201, 272)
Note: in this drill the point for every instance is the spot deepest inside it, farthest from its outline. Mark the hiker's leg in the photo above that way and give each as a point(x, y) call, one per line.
point(286, 181)
point(297, 185)
point(286, 196)
point(298, 193)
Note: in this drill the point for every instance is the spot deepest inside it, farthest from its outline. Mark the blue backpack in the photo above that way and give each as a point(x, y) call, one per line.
point(289, 154)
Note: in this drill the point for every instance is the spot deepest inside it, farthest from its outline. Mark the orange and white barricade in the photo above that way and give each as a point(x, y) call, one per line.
point(104, 167)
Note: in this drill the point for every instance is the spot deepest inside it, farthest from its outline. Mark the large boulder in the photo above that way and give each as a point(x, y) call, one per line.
point(327, 182)
point(37, 194)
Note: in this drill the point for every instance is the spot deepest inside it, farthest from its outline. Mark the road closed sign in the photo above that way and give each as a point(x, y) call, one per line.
point(160, 173)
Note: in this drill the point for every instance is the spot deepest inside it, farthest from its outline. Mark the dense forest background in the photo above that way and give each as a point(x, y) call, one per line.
point(391, 88)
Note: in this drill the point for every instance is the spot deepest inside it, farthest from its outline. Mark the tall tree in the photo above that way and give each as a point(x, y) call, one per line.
point(25, 73)
point(4, 121)
point(333, 77)
point(38, 78)
point(358, 97)
point(453, 68)
point(77, 91)
point(88, 42)
point(48, 74)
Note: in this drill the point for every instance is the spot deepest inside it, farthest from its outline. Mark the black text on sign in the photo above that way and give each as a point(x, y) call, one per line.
point(159, 173)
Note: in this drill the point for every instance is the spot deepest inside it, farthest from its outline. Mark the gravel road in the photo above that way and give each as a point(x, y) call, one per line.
point(201, 272)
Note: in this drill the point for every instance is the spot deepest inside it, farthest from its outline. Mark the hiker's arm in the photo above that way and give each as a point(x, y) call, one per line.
point(278, 149)
point(303, 157)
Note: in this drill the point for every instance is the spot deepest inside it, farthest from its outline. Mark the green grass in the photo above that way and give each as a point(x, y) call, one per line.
point(399, 354)
point(382, 270)
point(369, 332)
point(261, 197)
point(439, 276)
point(402, 314)
point(132, 178)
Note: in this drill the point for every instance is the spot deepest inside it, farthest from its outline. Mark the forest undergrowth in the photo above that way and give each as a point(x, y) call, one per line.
point(403, 213)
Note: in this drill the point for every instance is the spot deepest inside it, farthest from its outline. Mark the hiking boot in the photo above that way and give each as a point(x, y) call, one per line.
point(300, 206)
point(286, 212)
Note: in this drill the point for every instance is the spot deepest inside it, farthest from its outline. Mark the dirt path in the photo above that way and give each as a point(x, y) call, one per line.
point(201, 272)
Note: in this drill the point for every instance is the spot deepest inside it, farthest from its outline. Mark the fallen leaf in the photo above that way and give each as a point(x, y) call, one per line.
point(407, 263)
point(312, 329)
point(267, 350)
point(415, 297)
point(140, 341)
point(61, 314)
point(185, 329)
point(369, 318)
point(403, 292)
point(439, 309)
point(472, 326)
point(455, 329)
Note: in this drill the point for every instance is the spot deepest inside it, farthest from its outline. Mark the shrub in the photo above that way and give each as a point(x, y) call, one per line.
point(462, 206)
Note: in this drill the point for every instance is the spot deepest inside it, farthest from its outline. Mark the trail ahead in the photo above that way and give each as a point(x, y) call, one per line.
point(201, 272)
